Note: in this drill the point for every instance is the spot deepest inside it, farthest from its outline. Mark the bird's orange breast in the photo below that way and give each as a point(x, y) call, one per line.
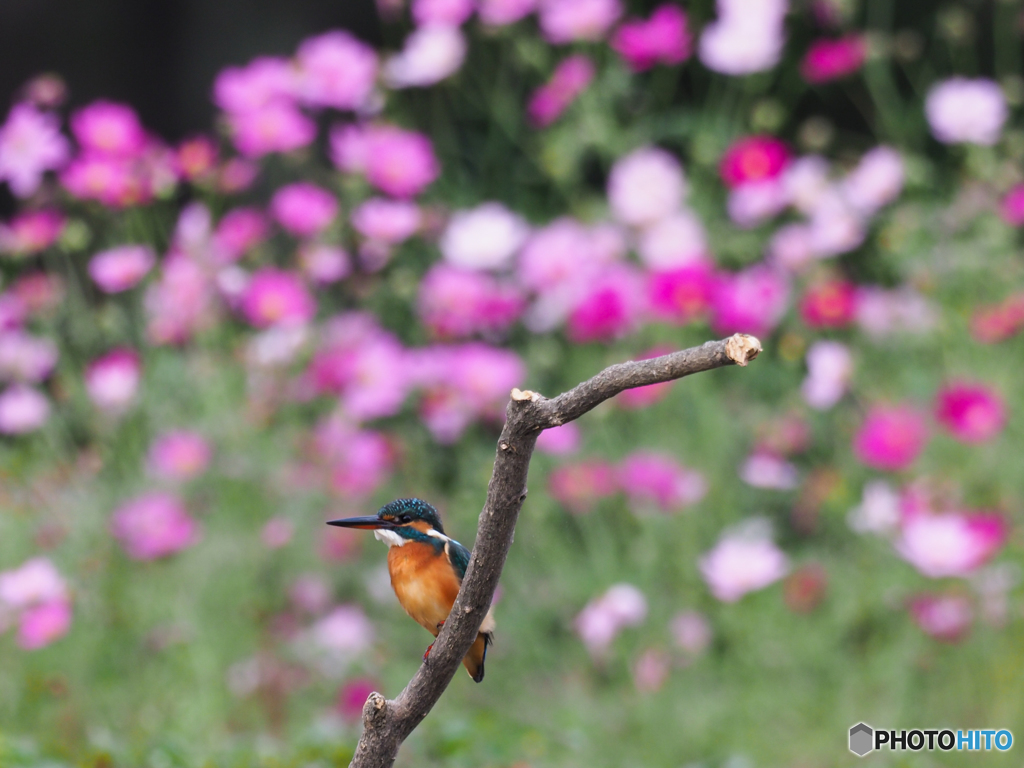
point(424, 582)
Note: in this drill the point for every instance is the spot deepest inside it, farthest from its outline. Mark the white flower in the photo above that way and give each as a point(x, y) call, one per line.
point(645, 186)
point(430, 55)
point(485, 237)
point(963, 111)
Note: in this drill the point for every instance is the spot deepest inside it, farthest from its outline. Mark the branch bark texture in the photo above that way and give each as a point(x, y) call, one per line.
point(386, 724)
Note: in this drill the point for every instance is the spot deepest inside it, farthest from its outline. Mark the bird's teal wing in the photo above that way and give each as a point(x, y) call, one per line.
point(458, 556)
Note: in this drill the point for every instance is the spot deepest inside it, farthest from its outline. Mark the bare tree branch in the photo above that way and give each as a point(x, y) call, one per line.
point(386, 724)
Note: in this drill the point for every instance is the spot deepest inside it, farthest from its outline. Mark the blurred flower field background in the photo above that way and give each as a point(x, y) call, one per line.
point(209, 349)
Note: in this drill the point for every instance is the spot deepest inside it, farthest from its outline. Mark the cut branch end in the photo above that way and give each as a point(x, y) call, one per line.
point(741, 348)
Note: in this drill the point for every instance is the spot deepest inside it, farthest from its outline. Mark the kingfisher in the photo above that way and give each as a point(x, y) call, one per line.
point(426, 567)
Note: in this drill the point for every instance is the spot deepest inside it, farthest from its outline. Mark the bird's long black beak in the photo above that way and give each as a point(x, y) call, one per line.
point(369, 523)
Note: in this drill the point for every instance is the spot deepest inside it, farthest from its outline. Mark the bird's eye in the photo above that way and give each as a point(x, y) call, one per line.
point(405, 519)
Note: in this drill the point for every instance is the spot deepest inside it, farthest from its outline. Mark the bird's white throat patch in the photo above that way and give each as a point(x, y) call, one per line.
point(390, 538)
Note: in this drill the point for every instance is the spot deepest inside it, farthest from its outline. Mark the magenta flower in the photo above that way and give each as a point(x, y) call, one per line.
point(753, 159)
point(1012, 207)
point(335, 70)
point(304, 209)
point(40, 625)
point(964, 111)
point(946, 617)
point(387, 221)
point(26, 358)
point(30, 232)
point(891, 437)
point(400, 163)
point(609, 307)
point(277, 297)
point(264, 81)
point(738, 565)
point(430, 55)
point(277, 127)
point(153, 525)
point(362, 465)
point(578, 487)
point(752, 301)
point(569, 80)
point(652, 479)
point(560, 441)
point(118, 269)
point(196, 158)
point(623, 605)
point(109, 129)
point(682, 295)
point(445, 13)
point(565, 21)
point(239, 231)
point(353, 696)
point(664, 39)
point(973, 413)
point(30, 145)
point(457, 303)
point(112, 381)
point(498, 13)
point(645, 186)
point(829, 304)
point(832, 59)
point(485, 237)
point(22, 410)
point(179, 455)
point(950, 544)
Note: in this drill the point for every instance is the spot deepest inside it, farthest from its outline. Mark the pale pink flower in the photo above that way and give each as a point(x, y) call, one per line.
point(277, 532)
point(497, 13)
point(335, 70)
point(946, 617)
point(387, 221)
point(766, 470)
point(623, 605)
point(878, 511)
point(40, 625)
point(752, 204)
point(22, 409)
point(262, 82)
point(456, 303)
point(806, 179)
point(691, 632)
point(180, 303)
point(30, 145)
point(567, 252)
point(400, 163)
point(876, 181)
point(24, 357)
point(891, 437)
point(836, 227)
point(120, 268)
point(236, 175)
point(179, 455)
point(276, 127)
point(973, 413)
point(359, 460)
point(112, 381)
point(569, 80)
point(276, 297)
point(950, 544)
point(676, 241)
point(345, 631)
point(195, 159)
point(965, 111)
point(653, 479)
point(36, 581)
point(153, 525)
point(752, 301)
point(310, 592)
point(651, 670)
point(738, 565)
point(304, 209)
point(565, 21)
point(645, 186)
point(829, 368)
point(579, 486)
point(609, 306)
point(109, 129)
point(829, 60)
point(30, 232)
point(445, 13)
point(485, 237)
point(239, 231)
point(882, 312)
point(562, 440)
point(663, 39)
point(38, 293)
point(324, 264)
point(46, 90)
point(747, 37)
point(430, 55)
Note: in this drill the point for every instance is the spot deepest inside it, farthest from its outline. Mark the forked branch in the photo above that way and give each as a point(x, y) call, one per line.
point(386, 724)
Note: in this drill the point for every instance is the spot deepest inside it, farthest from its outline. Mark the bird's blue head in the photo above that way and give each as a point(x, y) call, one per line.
point(407, 514)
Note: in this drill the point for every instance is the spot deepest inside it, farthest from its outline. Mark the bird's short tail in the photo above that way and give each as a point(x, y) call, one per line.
point(474, 661)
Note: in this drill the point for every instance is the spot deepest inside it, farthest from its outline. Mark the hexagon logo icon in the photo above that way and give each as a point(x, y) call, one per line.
point(862, 737)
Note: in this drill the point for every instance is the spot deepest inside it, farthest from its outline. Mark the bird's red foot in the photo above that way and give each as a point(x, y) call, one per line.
point(426, 653)
point(440, 623)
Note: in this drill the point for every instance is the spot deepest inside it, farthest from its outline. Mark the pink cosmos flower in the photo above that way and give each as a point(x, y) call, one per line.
point(645, 186)
point(34, 582)
point(30, 145)
point(752, 204)
point(1012, 207)
point(609, 307)
point(335, 70)
point(829, 304)
point(738, 565)
point(118, 269)
point(651, 670)
point(973, 413)
point(304, 209)
point(180, 303)
point(964, 111)
point(38, 293)
point(153, 525)
point(682, 295)
point(753, 159)
point(13, 311)
point(239, 231)
point(445, 13)
point(691, 632)
point(832, 59)
point(752, 301)
point(498, 13)
point(277, 532)
point(109, 129)
point(876, 181)
point(345, 631)
point(42, 624)
point(950, 544)
point(324, 264)
point(763, 469)
point(263, 81)
point(430, 55)
point(569, 80)
point(805, 589)
point(997, 322)
point(564, 21)
point(276, 127)
point(456, 303)
point(195, 159)
point(236, 175)
point(643, 397)
point(560, 441)
point(387, 221)
point(747, 37)
point(400, 163)
point(112, 381)
point(179, 455)
point(277, 297)
point(26, 358)
point(829, 368)
point(652, 479)
point(664, 39)
point(891, 437)
point(310, 592)
point(353, 696)
point(878, 511)
point(579, 486)
point(46, 90)
point(946, 617)
point(623, 605)
point(359, 460)
point(30, 232)
point(485, 237)
point(882, 312)
point(676, 241)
